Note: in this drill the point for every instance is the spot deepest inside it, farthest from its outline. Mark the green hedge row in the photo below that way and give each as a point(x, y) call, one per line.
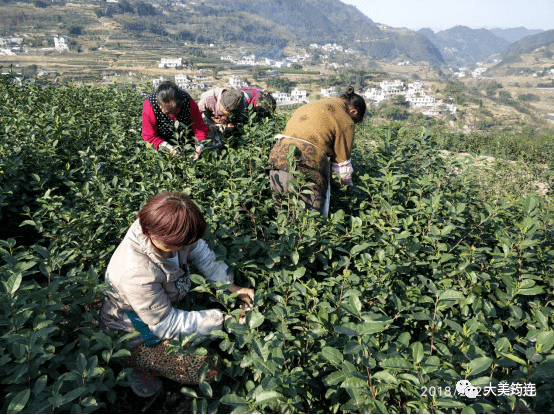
point(412, 284)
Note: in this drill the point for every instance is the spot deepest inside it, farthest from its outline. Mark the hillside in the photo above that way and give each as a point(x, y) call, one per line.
point(530, 43)
point(462, 46)
point(331, 21)
point(516, 33)
point(264, 24)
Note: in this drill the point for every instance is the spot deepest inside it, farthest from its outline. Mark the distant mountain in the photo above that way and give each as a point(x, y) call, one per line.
point(331, 21)
point(529, 44)
point(463, 46)
point(515, 34)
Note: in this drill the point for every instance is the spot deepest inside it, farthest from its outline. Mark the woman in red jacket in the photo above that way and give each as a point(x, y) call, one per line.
point(162, 109)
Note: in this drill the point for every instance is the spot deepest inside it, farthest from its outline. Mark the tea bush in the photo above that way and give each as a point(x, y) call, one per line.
point(413, 283)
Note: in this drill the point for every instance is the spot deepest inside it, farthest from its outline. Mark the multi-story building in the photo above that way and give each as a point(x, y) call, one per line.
point(171, 62)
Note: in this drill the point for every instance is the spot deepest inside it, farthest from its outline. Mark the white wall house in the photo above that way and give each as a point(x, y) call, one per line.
point(200, 85)
point(298, 95)
point(236, 82)
point(376, 95)
point(281, 96)
point(60, 43)
point(328, 92)
point(182, 79)
point(424, 101)
point(392, 87)
point(432, 111)
point(478, 72)
point(156, 82)
point(415, 87)
point(170, 62)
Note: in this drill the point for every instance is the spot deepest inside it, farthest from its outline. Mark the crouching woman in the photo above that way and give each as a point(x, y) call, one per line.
point(147, 273)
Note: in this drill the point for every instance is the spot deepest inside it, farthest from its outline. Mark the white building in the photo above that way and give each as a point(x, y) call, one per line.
point(156, 82)
point(281, 96)
point(478, 72)
point(200, 85)
point(392, 87)
point(170, 62)
point(182, 79)
point(298, 95)
point(236, 82)
point(376, 95)
point(328, 92)
point(422, 101)
point(415, 87)
point(432, 111)
point(60, 43)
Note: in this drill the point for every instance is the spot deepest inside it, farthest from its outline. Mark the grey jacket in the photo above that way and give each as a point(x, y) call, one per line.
point(144, 282)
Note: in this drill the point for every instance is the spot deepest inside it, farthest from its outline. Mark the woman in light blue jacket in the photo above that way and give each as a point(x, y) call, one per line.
point(147, 273)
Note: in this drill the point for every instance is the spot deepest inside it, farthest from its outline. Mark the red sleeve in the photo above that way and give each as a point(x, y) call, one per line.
point(199, 127)
point(149, 127)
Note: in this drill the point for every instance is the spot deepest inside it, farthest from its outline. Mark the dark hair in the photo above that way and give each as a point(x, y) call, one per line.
point(355, 100)
point(173, 219)
point(168, 92)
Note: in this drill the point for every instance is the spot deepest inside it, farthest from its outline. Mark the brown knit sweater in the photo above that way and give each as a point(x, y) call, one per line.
point(325, 124)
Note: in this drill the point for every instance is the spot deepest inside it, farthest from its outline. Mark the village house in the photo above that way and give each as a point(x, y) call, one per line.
point(328, 91)
point(46, 73)
point(281, 97)
point(478, 72)
point(375, 95)
point(392, 87)
point(60, 43)
point(200, 85)
point(156, 82)
point(182, 79)
point(298, 95)
point(236, 82)
point(422, 101)
point(170, 63)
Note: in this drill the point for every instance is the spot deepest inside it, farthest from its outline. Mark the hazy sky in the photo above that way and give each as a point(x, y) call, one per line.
point(445, 14)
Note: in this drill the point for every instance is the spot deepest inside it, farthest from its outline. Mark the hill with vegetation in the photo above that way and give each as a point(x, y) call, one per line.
point(462, 46)
point(267, 25)
point(516, 33)
point(529, 44)
point(417, 280)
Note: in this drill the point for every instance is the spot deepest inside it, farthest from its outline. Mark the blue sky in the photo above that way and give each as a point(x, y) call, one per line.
point(445, 14)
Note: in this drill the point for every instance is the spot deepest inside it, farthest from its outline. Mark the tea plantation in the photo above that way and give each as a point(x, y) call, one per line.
point(413, 283)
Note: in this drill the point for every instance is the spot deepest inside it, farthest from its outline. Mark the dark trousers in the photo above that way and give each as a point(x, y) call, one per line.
point(278, 181)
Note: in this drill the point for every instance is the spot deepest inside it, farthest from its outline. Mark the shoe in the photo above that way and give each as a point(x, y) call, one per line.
point(144, 385)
